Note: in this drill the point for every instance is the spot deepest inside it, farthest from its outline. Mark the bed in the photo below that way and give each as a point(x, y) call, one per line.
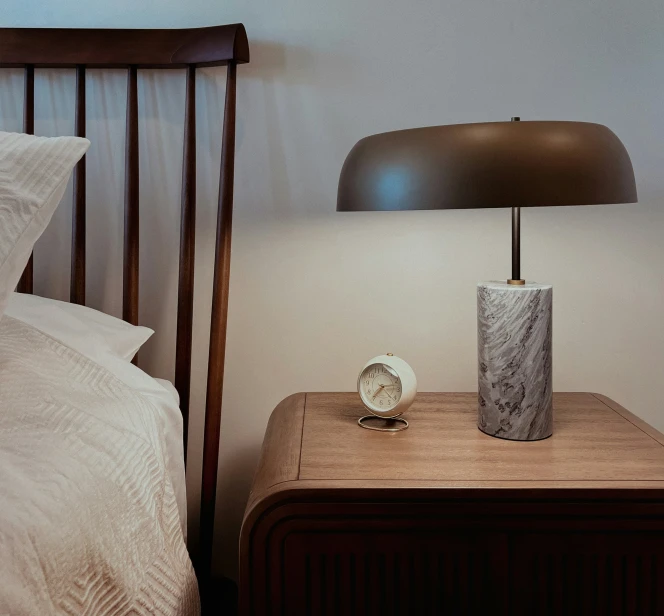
point(92, 449)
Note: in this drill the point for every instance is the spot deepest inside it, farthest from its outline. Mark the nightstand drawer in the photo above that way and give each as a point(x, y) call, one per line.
point(408, 571)
point(587, 572)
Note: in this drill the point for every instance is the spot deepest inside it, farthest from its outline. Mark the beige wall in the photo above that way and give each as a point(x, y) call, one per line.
point(315, 293)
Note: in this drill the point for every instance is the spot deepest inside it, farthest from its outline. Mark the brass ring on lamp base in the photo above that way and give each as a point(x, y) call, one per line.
point(517, 282)
point(389, 421)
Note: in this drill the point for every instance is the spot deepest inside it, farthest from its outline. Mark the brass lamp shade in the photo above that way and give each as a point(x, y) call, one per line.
point(494, 164)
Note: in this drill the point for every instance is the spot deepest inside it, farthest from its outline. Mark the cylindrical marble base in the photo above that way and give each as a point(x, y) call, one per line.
point(514, 360)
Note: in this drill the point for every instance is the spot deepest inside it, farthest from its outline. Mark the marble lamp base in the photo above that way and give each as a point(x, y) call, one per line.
point(514, 360)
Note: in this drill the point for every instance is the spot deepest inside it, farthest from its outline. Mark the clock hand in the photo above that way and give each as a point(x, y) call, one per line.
point(380, 388)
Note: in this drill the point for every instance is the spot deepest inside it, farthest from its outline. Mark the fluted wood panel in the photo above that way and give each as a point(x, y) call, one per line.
point(77, 281)
point(25, 284)
point(602, 574)
point(367, 573)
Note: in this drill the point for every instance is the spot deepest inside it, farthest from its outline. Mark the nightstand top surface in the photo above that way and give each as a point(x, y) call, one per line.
point(314, 440)
point(591, 442)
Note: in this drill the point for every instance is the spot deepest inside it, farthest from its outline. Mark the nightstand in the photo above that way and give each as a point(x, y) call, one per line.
point(443, 519)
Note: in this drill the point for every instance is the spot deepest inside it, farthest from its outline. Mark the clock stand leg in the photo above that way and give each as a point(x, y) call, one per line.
point(383, 424)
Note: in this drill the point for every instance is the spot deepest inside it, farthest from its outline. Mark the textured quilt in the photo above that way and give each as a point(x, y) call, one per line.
point(88, 516)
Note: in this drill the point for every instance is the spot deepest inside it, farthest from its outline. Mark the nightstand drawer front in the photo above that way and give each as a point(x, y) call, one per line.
point(383, 573)
point(587, 573)
point(456, 557)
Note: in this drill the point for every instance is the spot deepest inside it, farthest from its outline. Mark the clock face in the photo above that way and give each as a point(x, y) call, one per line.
point(380, 388)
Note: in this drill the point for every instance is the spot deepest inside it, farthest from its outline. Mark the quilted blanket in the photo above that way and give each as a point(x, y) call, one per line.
point(89, 521)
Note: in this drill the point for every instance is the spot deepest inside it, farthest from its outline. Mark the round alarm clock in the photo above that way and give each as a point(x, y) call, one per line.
point(387, 387)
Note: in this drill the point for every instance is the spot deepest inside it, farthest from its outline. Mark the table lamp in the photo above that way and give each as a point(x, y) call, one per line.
point(496, 165)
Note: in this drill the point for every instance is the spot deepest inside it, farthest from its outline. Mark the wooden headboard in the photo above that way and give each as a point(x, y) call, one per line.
point(32, 48)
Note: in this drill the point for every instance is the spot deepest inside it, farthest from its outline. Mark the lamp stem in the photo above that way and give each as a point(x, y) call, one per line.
point(516, 240)
point(516, 244)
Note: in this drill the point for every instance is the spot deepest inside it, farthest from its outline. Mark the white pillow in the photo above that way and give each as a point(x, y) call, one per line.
point(78, 327)
point(34, 172)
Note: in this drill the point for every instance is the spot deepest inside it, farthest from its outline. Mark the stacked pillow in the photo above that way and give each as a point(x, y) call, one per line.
point(34, 172)
point(90, 332)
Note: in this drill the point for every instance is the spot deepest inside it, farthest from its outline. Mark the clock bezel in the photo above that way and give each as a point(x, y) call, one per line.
point(376, 410)
point(406, 378)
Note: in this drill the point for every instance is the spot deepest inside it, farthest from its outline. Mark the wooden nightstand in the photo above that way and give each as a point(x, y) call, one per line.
point(442, 519)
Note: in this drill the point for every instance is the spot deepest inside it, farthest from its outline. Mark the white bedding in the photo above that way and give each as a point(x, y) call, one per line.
point(111, 343)
point(89, 520)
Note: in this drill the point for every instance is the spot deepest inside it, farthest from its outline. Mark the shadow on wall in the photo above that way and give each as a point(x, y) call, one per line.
point(288, 132)
point(233, 487)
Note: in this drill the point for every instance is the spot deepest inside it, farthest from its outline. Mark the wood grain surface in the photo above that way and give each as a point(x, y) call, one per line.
point(118, 47)
point(633, 419)
point(280, 457)
point(592, 442)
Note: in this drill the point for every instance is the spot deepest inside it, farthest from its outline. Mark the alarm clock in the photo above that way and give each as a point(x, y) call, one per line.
point(387, 387)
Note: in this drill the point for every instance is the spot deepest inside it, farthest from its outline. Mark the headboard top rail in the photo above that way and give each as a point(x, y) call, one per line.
point(115, 48)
